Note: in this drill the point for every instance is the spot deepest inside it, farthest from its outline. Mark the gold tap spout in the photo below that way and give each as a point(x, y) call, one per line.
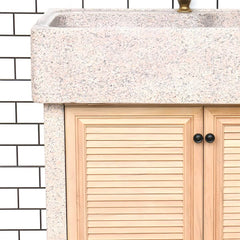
point(184, 6)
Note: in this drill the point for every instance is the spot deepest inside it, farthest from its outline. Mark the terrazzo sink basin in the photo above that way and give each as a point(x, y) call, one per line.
point(136, 56)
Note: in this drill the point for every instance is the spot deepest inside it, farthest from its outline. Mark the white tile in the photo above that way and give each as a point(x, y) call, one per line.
point(18, 134)
point(36, 235)
point(44, 5)
point(43, 178)
point(6, 23)
point(15, 91)
point(8, 198)
point(7, 156)
point(8, 235)
point(19, 177)
point(7, 112)
point(199, 4)
point(30, 112)
point(17, 6)
point(41, 134)
point(229, 4)
point(150, 4)
point(23, 68)
point(44, 219)
point(31, 156)
point(24, 22)
point(6, 69)
point(19, 219)
point(105, 3)
point(32, 198)
point(15, 46)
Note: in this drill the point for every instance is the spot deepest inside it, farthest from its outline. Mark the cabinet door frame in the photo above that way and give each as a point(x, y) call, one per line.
point(74, 115)
point(215, 118)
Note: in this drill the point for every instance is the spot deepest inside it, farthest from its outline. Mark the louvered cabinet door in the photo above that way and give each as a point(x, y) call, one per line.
point(134, 173)
point(222, 174)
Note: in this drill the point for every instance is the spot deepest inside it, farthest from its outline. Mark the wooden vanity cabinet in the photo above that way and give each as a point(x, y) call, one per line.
point(134, 172)
point(222, 174)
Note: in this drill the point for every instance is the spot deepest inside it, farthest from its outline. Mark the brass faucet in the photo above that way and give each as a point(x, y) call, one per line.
point(184, 6)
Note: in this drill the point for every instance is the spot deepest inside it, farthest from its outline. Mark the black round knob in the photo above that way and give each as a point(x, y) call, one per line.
point(210, 138)
point(198, 138)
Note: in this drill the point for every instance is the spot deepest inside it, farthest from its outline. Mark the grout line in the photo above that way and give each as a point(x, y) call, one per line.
point(39, 175)
point(23, 188)
point(22, 230)
point(40, 216)
point(22, 209)
point(16, 118)
point(16, 158)
point(15, 101)
point(39, 140)
point(36, 6)
point(15, 68)
point(14, 57)
point(14, 24)
point(21, 13)
point(22, 145)
point(14, 80)
point(22, 166)
point(21, 123)
point(18, 199)
point(15, 35)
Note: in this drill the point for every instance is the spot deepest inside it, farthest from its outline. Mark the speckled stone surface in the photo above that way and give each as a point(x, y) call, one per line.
point(137, 56)
point(55, 171)
point(127, 56)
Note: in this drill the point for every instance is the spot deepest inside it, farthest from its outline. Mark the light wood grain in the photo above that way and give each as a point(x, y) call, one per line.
point(139, 224)
point(222, 178)
point(138, 157)
point(134, 173)
point(169, 236)
point(137, 204)
point(137, 184)
point(130, 230)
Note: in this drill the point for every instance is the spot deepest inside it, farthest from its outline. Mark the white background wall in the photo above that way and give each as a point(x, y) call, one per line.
point(22, 186)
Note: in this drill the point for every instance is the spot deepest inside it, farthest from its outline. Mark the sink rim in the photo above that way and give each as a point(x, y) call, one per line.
point(46, 19)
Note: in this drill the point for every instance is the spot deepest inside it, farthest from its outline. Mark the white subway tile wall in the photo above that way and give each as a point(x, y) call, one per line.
point(9, 235)
point(32, 198)
point(9, 113)
point(6, 26)
point(36, 110)
point(19, 177)
point(9, 198)
point(22, 172)
point(150, 4)
point(8, 156)
point(105, 4)
point(7, 68)
point(24, 22)
point(15, 46)
point(13, 219)
point(31, 156)
point(23, 69)
point(11, 91)
point(201, 3)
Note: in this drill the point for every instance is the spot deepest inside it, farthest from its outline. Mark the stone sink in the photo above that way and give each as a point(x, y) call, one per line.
point(136, 56)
